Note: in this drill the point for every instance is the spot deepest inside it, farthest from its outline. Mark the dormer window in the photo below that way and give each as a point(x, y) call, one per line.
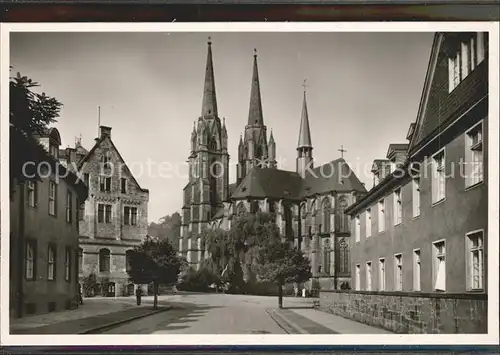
point(464, 58)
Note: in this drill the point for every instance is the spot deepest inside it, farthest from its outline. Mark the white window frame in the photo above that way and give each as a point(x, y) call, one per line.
point(107, 213)
point(51, 263)
point(436, 262)
point(52, 198)
point(416, 196)
point(381, 215)
point(471, 250)
point(357, 280)
point(127, 217)
point(30, 260)
point(438, 177)
point(357, 228)
point(105, 183)
point(31, 185)
point(382, 275)
point(398, 207)
point(368, 222)
point(474, 156)
point(398, 272)
point(417, 270)
point(369, 276)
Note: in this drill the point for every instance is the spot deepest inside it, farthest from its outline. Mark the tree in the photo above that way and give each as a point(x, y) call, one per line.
point(168, 227)
point(30, 113)
point(155, 261)
point(281, 263)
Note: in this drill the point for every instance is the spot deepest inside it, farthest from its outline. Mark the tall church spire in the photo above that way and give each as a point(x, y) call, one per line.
point(209, 106)
point(255, 113)
point(305, 132)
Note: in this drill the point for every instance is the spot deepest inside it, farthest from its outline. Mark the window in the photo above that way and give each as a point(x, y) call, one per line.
point(474, 156)
point(416, 196)
point(475, 260)
point(381, 274)
point(397, 207)
point(32, 193)
point(103, 213)
point(81, 210)
point(438, 177)
point(54, 151)
point(52, 198)
point(104, 183)
point(124, 185)
point(466, 56)
point(130, 216)
point(80, 260)
point(357, 228)
point(106, 160)
point(69, 207)
point(30, 260)
point(104, 258)
point(381, 216)
point(439, 266)
point(51, 263)
point(368, 275)
point(398, 272)
point(326, 256)
point(67, 265)
point(416, 270)
point(358, 277)
point(128, 256)
point(86, 179)
point(368, 222)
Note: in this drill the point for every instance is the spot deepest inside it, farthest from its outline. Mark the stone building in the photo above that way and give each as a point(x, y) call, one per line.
point(309, 203)
point(420, 236)
point(44, 232)
point(113, 220)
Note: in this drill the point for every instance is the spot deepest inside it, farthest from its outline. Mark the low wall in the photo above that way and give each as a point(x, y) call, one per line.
point(404, 312)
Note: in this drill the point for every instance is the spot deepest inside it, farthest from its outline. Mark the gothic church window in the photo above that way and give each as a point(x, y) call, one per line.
point(343, 256)
point(342, 221)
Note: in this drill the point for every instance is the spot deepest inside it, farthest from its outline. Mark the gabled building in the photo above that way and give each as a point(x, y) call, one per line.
point(44, 232)
point(309, 203)
point(113, 219)
point(424, 226)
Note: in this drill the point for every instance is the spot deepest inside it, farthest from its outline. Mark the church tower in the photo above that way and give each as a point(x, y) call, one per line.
point(253, 149)
point(304, 146)
point(208, 185)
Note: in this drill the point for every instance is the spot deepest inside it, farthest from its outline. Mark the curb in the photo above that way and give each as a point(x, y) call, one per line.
point(123, 321)
point(284, 323)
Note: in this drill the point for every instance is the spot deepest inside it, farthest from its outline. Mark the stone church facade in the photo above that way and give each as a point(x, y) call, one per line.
point(309, 203)
point(113, 219)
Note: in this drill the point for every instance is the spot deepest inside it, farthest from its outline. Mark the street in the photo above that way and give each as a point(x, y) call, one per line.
point(211, 314)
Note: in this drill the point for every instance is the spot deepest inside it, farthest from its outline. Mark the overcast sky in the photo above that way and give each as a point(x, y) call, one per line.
point(363, 93)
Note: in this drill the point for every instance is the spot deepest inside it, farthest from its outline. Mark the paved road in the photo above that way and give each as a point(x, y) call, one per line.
point(211, 314)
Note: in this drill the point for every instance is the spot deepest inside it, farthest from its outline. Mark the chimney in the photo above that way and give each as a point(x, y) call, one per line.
point(104, 131)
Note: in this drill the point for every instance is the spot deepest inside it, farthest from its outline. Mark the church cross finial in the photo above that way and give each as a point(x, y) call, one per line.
point(304, 85)
point(209, 40)
point(342, 151)
point(255, 52)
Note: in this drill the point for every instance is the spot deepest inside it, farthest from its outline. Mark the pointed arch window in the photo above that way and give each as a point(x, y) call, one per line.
point(342, 255)
point(325, 217)
point(326, 256)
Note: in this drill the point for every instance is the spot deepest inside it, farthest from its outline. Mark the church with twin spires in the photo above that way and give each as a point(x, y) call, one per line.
point(309, 203)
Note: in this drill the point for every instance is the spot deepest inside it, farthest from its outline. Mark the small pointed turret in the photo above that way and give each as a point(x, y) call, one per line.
point(209, 105)
point(271, 138)
point(305, 132)
point(255, 115)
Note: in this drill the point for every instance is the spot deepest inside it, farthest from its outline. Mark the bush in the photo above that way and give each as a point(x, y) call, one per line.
point(90, 285)
point(199, 281)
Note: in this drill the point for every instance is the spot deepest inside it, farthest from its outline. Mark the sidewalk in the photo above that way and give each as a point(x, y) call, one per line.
point(90, 317)
point(312, 321)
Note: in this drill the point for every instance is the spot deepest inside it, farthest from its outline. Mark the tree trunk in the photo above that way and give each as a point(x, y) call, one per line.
point(155, 296)
point(280, 296)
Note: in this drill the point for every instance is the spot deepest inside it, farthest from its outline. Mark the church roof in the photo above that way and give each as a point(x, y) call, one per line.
point(333, 176)
point(255, 115)
point(269, 183)
point(209, 105)
point(305, 131)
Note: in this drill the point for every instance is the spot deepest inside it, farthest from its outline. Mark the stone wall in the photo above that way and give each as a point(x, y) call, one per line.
point(404, 312)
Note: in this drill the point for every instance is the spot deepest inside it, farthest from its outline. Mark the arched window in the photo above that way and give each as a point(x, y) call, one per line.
point(343, 257)
point(326, 256)
point(325, 210)
point(254, 207)
point(214, 173)
point(80, 260)
point(342, 221)
point(128, 255)
point(104, 260)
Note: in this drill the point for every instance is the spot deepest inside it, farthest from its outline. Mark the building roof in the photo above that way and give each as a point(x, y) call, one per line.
point(333, 176)
point(209, 105)
point(255, 115)
point(269, 183)
point(305, 131)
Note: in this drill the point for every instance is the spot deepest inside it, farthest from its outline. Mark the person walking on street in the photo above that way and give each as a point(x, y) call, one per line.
point(138, 294)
